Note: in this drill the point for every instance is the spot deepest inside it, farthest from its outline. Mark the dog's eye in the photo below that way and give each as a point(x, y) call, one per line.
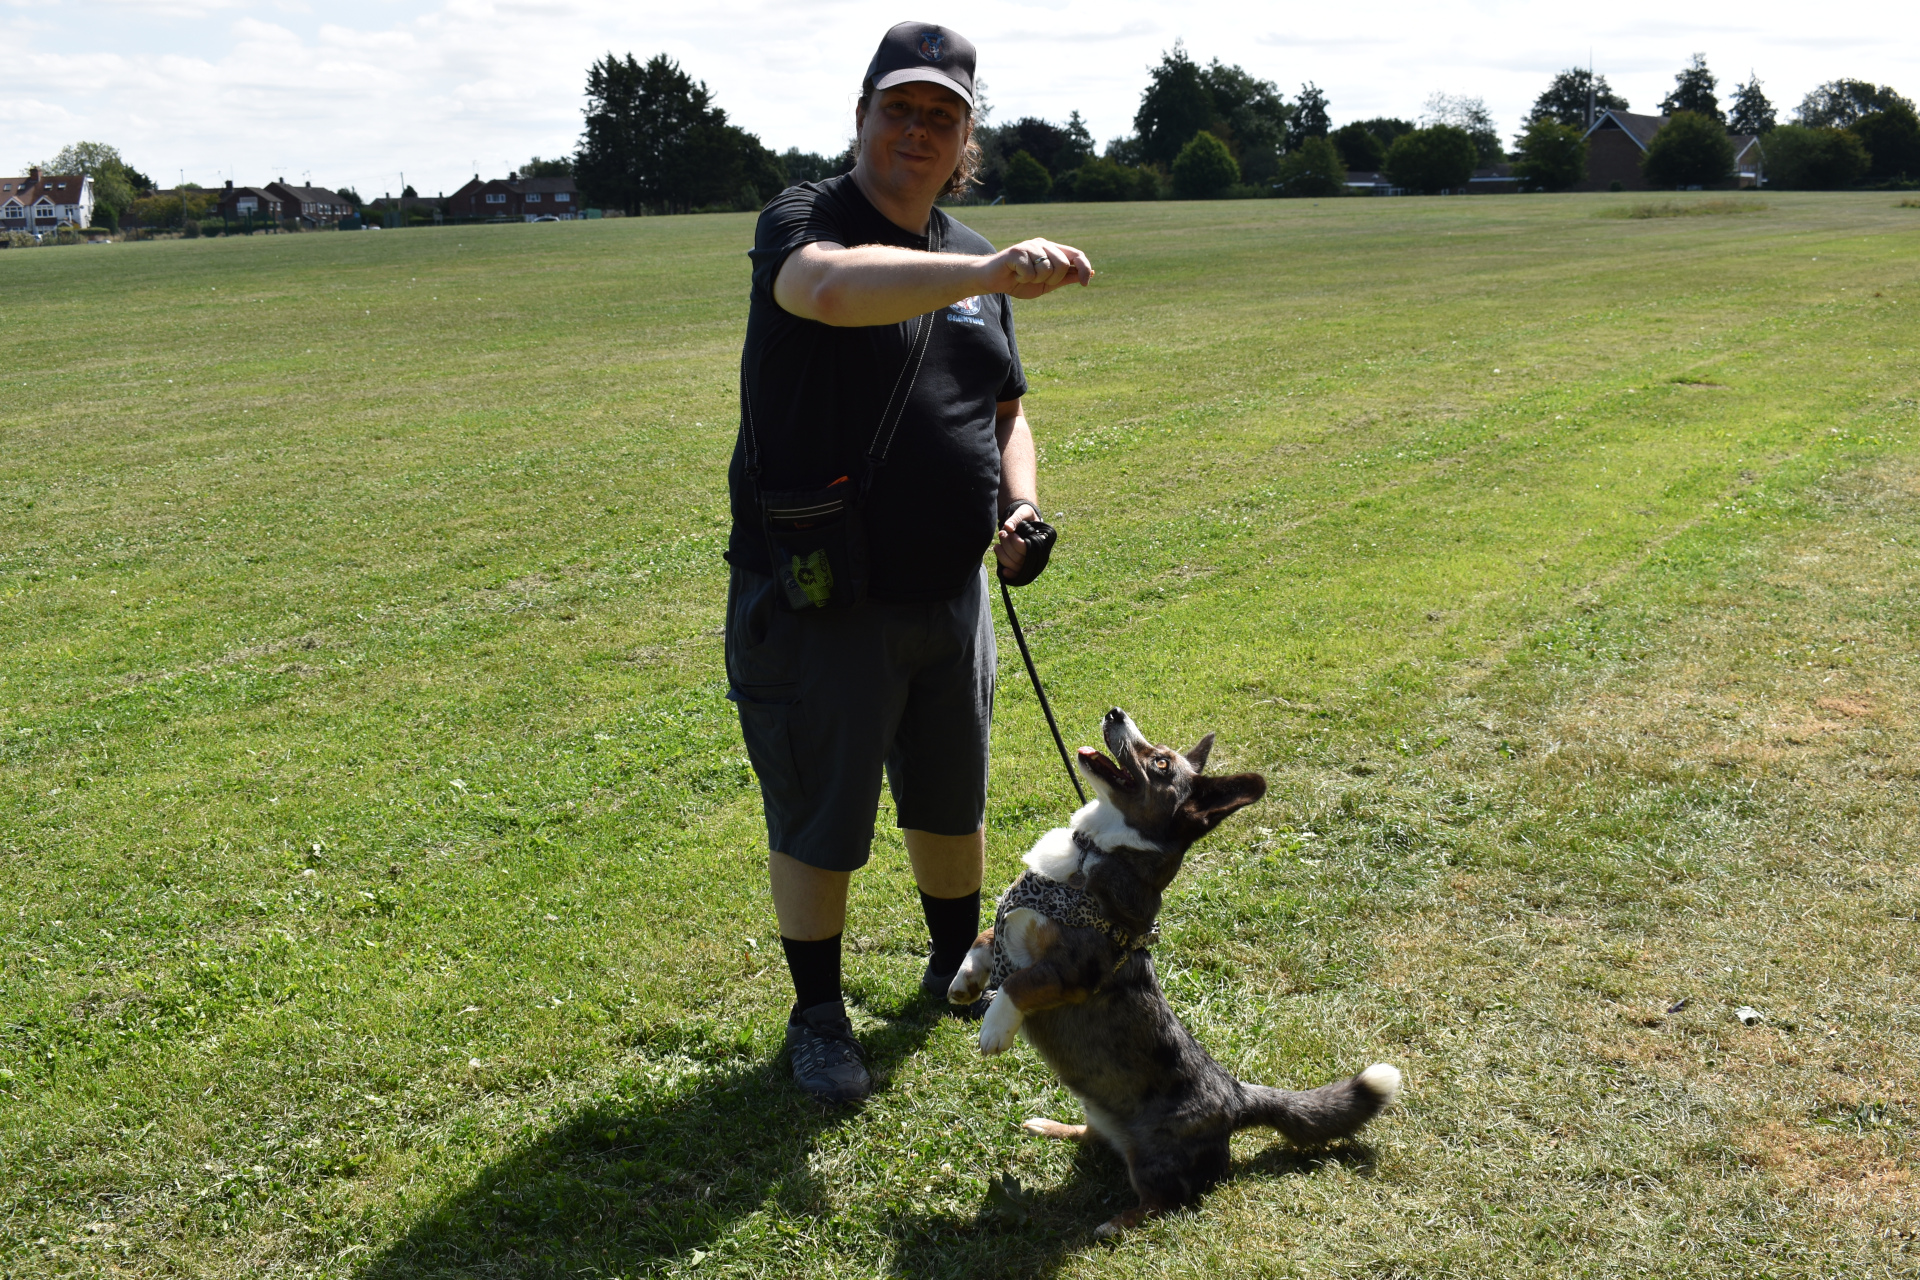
point(1160, 763)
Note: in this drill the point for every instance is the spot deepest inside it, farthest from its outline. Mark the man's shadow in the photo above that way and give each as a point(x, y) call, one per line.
point(631, 1185)
point(623, 1187)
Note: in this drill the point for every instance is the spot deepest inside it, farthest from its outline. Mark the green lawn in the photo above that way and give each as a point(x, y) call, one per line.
point(381, 872)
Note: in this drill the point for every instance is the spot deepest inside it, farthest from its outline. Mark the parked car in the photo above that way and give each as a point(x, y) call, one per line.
point(545, 217)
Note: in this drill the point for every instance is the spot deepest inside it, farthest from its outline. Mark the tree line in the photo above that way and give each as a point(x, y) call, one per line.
point(656, 142)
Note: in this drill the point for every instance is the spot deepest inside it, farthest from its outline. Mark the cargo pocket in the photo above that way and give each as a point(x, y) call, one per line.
point(766, 723)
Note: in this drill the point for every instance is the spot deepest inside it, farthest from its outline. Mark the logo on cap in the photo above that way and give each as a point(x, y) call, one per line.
point(932, 45)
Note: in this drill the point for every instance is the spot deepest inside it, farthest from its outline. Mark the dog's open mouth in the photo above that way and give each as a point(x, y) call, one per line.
point(1097, 764)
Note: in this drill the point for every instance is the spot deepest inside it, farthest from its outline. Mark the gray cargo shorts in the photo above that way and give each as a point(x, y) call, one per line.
point(829, 697)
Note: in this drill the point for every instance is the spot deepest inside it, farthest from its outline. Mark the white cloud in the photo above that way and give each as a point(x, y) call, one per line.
point(361, 93)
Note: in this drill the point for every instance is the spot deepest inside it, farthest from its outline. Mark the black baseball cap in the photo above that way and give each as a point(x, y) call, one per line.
point(924, 51)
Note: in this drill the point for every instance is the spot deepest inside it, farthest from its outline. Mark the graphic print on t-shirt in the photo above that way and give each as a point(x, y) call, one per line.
point(967, 311)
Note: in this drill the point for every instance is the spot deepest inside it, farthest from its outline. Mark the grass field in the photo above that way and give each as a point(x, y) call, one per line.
point(381, 873)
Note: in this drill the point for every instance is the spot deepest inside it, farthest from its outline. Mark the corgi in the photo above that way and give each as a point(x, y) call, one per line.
point(1068, 955)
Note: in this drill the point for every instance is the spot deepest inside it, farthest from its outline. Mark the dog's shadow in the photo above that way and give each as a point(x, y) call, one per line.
point(629, 1187)
point(1031, 1233)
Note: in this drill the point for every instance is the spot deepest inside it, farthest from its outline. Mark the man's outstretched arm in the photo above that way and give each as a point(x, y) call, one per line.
point(880, 284)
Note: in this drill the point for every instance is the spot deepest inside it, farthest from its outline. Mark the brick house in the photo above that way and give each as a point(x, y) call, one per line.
point(516, 199)
point(315, 205)
point(250, 204)
point(42, 202)
point(1619, 139)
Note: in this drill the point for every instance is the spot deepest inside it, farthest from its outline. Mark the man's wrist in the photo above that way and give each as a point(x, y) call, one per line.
point(1014, 504)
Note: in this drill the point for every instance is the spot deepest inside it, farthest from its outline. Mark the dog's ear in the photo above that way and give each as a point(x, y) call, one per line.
point(1212, 799)
point(1197, 757)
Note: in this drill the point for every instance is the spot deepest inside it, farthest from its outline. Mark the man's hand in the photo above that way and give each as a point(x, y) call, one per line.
point(1034, 268)
point(1009, 548)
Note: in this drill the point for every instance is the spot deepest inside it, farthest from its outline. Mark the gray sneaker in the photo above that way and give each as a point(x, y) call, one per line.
point(934, 986)
point(827, 1062)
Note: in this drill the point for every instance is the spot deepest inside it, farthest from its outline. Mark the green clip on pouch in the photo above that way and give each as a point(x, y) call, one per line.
point(818, 544)
point(816, 538)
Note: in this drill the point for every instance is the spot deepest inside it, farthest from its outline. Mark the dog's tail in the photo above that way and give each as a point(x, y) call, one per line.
point(1320, 1115)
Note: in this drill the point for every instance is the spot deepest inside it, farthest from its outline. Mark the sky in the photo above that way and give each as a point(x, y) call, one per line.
point(357, 93)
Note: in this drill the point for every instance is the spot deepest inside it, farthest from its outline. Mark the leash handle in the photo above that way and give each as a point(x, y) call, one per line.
point(1020, 638)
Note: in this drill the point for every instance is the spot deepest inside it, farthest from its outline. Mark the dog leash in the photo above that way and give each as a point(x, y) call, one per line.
point(1020, 638)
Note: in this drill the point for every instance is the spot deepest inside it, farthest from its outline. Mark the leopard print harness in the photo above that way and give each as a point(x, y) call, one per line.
point(1066, 903)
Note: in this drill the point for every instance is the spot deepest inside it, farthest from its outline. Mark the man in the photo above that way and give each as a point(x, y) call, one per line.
point(880, 363)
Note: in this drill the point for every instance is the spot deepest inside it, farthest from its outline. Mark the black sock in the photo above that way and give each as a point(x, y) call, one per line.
point(815, 967)
point(953, 923)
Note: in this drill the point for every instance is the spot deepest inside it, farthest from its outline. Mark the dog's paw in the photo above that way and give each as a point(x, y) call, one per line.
point(999, 1027)
point(971, 982)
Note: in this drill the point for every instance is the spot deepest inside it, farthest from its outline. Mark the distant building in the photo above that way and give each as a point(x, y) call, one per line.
point(1497, 179)
point(1618, 141)
point(250, 204)
point(516, 199)
point(42, 202)
point(316, 206)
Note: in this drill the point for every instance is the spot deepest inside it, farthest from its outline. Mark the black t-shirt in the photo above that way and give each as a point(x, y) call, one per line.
point(818, 393)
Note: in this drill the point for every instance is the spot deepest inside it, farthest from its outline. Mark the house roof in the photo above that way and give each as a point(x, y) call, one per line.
point(58, 188)
point(1642, 128)
point(1638, 127)
point(257, 192)
point(306, 195)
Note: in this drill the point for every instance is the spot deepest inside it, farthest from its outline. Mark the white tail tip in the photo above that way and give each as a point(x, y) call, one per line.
point(1384, 1081)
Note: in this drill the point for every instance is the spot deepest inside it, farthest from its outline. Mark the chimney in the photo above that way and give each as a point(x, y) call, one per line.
point(33, 175)
point(229, 184)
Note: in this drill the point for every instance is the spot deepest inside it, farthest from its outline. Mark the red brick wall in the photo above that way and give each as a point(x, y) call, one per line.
point(1613, 156)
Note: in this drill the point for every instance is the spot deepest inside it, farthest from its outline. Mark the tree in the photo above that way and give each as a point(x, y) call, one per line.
point(408, 193)
point(1693, 91)
point(1801, 158)
point(1105, 179)
point(1027, 179)
point(1565, 100)
point(1250, 116)
point(1310, 118)
point(1359, 147)
point(1313, 169)
point(654, 141)
point(83, 157)
point(1389, 129)
point(558, 167)
point(1551, 155)
point(114, 188)
point(1838, 103)
point(1204, 169)
point(1174, 106)
point(1078, 148)
point(1441, 157)
point(1752, 113)
point(351, 196)
point(1892, 140)
point(807, 166)
point(1470, 116)
point(1042, 140)
point(1690, 150)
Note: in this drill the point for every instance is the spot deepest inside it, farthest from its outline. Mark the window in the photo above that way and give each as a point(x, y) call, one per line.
point(561, 197)
point(246, 205)
point(533, 197)
point(496, 197)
